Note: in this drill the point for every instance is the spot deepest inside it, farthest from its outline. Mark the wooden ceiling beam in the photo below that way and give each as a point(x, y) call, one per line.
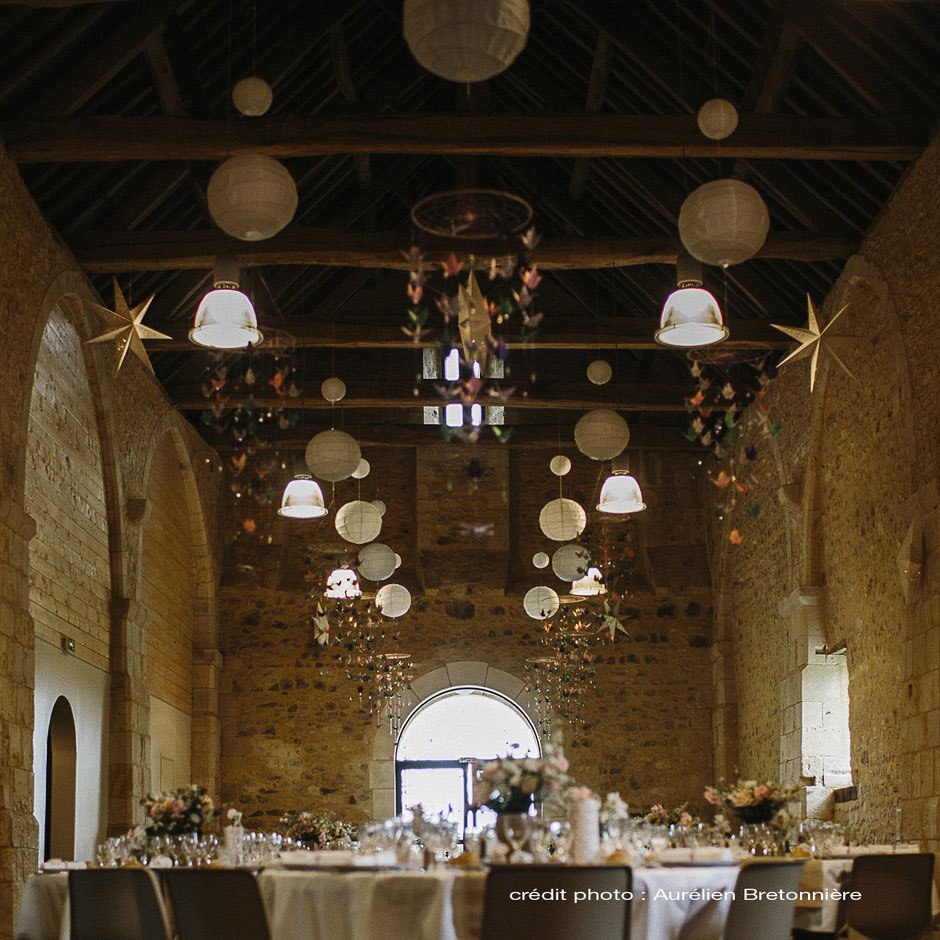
point(759, 136)
point(123, 252)
point(597, 88)
point(608, 333)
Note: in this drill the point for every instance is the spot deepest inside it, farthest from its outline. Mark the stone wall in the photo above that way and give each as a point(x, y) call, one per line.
point(849, 527)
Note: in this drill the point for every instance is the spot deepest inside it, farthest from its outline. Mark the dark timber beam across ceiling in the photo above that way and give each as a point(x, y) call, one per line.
point(759, 136)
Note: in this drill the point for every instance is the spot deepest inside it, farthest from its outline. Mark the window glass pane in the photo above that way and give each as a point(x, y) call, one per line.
point(437, 789)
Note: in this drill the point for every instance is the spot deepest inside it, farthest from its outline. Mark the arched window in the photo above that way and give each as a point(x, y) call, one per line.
point(60, 783)
point(444, 737)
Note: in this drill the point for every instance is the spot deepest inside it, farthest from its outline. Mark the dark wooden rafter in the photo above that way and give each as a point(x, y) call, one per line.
point(347, 89)
point(171, 102)
point(597, 84)
point(759, 136)
point(173, 250)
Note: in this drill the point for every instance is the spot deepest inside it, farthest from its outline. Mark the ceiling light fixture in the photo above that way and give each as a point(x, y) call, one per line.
point(302, 499)
point(691, 315)
point(225, 318)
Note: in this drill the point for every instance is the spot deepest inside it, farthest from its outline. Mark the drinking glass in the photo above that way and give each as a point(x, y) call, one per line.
point(516, 829)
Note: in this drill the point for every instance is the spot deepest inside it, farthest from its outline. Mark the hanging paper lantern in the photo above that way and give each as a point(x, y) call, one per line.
point(251, 196)
point(376, 561)
point(723, 222)
point(601, 434)
point(393, 600)
point(562, 519)
point(540, 602)
point(333, 389)
point(599, 372)
point(358, 521)
point(465, 40)
point(560, 465)
point(540, 560)
point(571, 561)
point(362, 470)
point(333, 455)
point(342, 582)
point(252, 96)
point(397, 560)
point(717, 118)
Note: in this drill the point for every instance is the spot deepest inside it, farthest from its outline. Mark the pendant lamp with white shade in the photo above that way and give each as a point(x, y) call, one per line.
point(225, 318)
point(691, 316)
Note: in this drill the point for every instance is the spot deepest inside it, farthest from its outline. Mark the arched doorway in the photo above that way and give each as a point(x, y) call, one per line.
point(442, 739)
point(59, 839)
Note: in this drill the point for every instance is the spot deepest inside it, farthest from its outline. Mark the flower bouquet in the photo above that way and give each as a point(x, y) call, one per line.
point(316, 832)
point(750, 801)
point(510, 784)
point(658, 815)
point(185, 810)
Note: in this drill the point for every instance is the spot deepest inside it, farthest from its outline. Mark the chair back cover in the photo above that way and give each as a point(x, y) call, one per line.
point(756, 916)
point(509, 916)
point(216, 904)
point(896, 895)
point(116, 904)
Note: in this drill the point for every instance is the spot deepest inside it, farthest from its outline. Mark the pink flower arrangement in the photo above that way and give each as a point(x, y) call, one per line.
point(750, 801)
point(187, 809)
point(658, 815)
point(509, 784)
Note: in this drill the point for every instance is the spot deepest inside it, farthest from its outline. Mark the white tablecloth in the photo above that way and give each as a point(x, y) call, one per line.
point(42, 911)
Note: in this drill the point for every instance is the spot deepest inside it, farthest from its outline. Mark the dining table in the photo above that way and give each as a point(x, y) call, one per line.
point(690, 901)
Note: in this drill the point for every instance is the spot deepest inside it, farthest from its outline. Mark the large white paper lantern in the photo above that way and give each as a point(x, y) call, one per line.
point(333, 389)
point(252, 96)
point(599, 372)
point(465, 40)
point(358, 521)
point(571, 561)
point(251, 196)
point(723, 222)
point(540, 602)
point(333, 455)
point(601, 434)
point(717, 118)
point(562, 519)
point(376, 561)
point(393, 600)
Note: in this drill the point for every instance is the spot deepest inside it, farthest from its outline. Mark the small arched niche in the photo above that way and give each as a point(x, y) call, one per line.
point(445, 736)
point(61, 757)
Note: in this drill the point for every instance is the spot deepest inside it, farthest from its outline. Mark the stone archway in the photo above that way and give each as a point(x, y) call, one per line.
point(452, 675)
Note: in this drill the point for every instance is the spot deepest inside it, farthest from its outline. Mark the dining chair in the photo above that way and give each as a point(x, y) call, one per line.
point(764, 917)
point(896, 897)
point(216, 904)
point(116, 904)
point(572, 910)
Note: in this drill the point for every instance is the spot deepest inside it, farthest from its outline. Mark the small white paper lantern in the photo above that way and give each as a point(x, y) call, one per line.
point(333, 389)
point(601, 434)
point(393, 600)
point(723, 222)
point(717, 118)
point(358, 521)
point(599, 371)
point(465, 40)
point(397, 560)
point(540, 560)
point(333, 455)
point(252, 96)
point(540, 602)
point(560, 465)
point(379, 505)
point(562, 519)
point(362, 470)
point(342, 582)
point(376, 561)
point(571, 561)
point(251, 196)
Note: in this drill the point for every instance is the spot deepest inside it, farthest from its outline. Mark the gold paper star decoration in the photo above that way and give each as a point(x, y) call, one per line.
point(812, 339)
point(474, 323)
point(130, 331)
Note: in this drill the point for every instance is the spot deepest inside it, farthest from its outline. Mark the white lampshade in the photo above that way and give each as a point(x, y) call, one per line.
point(302, 499)
point(590, 585)
point(717, 118)
point(691, 317)
point(723, 222)
point(599, 372)
point(540, 602)
point(376, 561)
point(571, 561)
point(465, 40)
point(252, 96)
point(333, 455)
point(393, 600)
point(621, 494)
point(251, 196)
point(342, 582)
point(601, 434)
point(225, 319)
point(358, 521)
point(562, 519)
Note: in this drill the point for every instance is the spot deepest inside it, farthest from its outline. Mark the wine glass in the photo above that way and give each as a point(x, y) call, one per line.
point(516, 829)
